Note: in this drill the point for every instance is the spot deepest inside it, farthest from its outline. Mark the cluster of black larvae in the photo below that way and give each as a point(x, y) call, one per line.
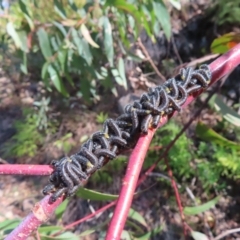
point(122, 133)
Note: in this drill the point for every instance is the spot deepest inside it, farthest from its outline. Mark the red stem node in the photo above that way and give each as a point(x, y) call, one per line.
point(41, 212)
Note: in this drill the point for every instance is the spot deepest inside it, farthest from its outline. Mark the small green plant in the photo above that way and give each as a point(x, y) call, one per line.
point(180, 163)
point(27, 138)
point(225, 11)
point(101, 117)
point(64, 143)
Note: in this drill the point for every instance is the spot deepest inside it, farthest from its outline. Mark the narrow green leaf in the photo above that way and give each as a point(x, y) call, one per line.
point(117, 76)
point(64, 236)
point(49, 229)
point(223, 43)
point(163, 17)
point(150, 234)
point(125, 235)
point(86, 52)
point(77, 41)
point(137, 217)
point(23, 39)
point(62, 57)
point(201, 208)
point(60, 27)
point(228, 114)
point(121, 69)
point(94, 195)
point(54, 44)
point(23, 65)
point(59, 8)
point(7, 224)
point(199, 236)
point(208, 134)
point(57, 81)
point(176, 4)
point(87, 36)
point(87, 232)
point(13, 33)
point(44, 43)
point(108, 40)
point(60, 210)
point(23, 7)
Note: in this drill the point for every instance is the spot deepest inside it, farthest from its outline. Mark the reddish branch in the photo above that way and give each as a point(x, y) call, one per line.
point(43, 210)
point(24, 169)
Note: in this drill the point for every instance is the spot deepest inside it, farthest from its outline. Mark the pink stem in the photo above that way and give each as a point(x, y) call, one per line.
point(41, 212)
point(220, 67)
point(25, 169)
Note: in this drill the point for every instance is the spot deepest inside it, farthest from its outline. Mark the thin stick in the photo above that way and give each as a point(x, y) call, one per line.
point(177, 196)
point(150, 60)
point(228, 232)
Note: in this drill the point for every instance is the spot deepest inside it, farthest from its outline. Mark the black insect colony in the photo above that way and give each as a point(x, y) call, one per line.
point(122, 133)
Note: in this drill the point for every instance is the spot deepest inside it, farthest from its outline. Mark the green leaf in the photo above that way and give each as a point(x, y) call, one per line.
point(60, 27)
point(77, 41)
point(86, 52)
point(23, 7)
point(93, 195)
point(208, 134)
point(23, 39)
point(44, 43)
point(57, 81)
point(13, 33)
point(108, 40)
point(121, 69)
point(202, 208)
point(125, 235)
point(49, 229)
point(137, 217)
point(150, 234)
point(9, 224)
point(117, 77)
point(23, 65)
point(59, 8)
point(64, 236)
point(60, 210)
point(225, 42)
point(87, 232)
point(199, 236)
point(87, 36)
point(163, 17)
point(228, 114)
point(176, 4)
point(62, 57)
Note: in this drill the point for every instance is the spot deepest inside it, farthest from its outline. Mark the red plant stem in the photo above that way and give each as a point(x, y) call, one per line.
point(24, 169)
point(41, 212)
point(220, 67)
point(177, 196)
